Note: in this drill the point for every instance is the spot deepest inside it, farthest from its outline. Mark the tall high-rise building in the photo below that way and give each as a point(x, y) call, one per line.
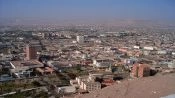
point(140, 70)
point(30, 52)
point(80, 39)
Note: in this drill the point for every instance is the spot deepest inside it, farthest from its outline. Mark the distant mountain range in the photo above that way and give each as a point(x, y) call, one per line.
point(109, 22)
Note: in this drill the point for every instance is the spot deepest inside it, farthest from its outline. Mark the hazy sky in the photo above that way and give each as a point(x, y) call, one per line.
point(87, 9)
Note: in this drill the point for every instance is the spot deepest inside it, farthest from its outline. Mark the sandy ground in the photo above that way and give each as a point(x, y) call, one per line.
point(148, 87)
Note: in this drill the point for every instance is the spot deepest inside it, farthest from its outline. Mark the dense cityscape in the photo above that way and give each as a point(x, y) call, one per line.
point(81, 59)
point(117, 59)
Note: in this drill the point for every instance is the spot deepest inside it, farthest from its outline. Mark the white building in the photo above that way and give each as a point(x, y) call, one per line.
point(171, 64)
point(80, 39)
point(91, 86)
point(102, 63)
point(85, 83)
point(163, 52)
point(81, 79)
point(173, 53)
point(148, 48)
point(67, 89)
point(136, 47)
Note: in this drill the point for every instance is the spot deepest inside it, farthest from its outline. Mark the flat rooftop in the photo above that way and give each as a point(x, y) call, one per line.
point(24, 65)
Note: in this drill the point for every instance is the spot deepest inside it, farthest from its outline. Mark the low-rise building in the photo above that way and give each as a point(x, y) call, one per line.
point(148, 48)
point(162, 52)
point(66, 90)
point(171, 64)
point(92, 77)
point(45, 70)
point(74, 83)
point(102, 63)
point(86, 83)
point(23, 68)
point(90, 86)
point(80, 39)
point(80, 79)
point(173, 53)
